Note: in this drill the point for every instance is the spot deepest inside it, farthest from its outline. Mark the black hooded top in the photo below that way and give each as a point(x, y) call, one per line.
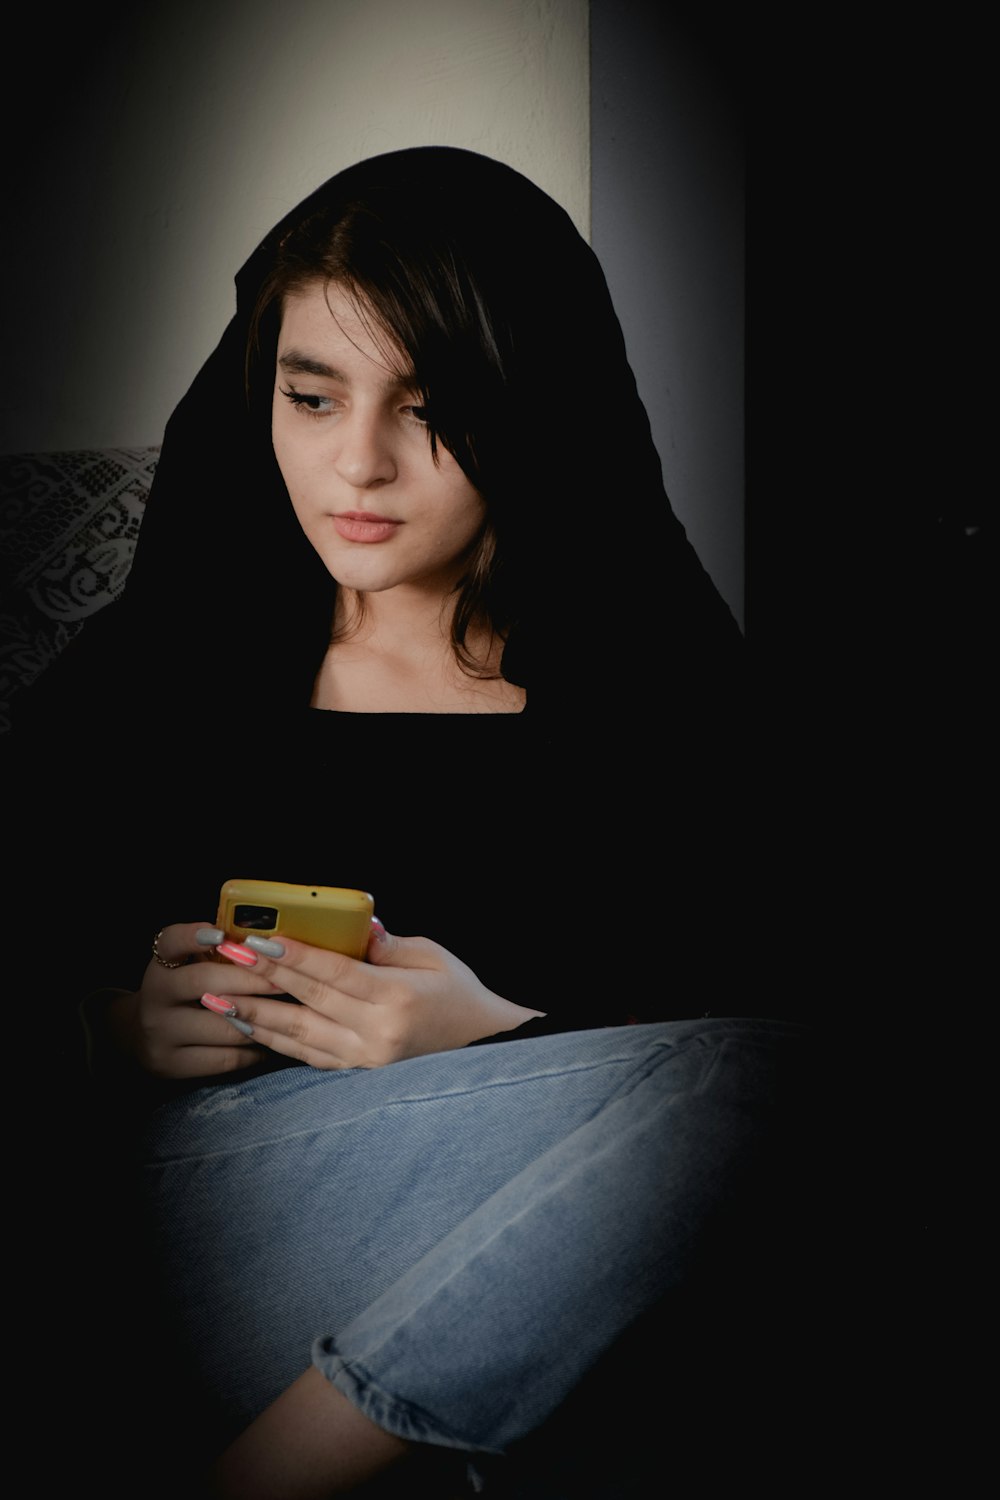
point(586, 856)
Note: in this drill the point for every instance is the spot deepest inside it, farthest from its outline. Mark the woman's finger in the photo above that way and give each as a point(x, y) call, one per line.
point(388, 950)
point(287, 962)
point(180, 941)
point(302, 970)
point(202, 1028)
point(186, 986)
point(294, 1030)
point(206, 1062)
point(302, 1029)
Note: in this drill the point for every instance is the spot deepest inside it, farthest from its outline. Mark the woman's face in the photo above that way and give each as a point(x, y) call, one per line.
point(356, 456)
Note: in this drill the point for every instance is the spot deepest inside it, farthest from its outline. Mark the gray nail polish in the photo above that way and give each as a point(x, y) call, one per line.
point(243, 1026)
point(267, 946)
point(210, 937)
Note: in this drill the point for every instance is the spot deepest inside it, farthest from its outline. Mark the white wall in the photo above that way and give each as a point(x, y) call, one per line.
point(668, 221)
point(152, 146)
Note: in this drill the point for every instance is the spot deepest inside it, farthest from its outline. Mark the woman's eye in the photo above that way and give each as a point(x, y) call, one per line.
point(419, 414)
point(312, 406)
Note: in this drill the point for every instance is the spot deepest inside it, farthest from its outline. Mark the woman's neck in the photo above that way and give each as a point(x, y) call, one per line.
point(397, 657)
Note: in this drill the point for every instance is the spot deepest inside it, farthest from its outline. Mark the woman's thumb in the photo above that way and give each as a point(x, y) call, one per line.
point(404, 952)
point(381, 944)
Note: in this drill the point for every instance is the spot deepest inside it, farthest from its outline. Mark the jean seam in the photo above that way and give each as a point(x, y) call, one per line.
point(487, 1085)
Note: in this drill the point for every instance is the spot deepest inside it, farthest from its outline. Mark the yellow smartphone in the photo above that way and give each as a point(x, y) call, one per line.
point(327, 916)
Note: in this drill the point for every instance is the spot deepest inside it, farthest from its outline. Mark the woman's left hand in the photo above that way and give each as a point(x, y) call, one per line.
point(411, 997)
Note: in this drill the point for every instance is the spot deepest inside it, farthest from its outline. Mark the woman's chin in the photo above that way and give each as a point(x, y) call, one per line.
point(366, 575)
point(373, 576)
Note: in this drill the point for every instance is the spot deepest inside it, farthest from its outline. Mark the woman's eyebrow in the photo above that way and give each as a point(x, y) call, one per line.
point(296, 362)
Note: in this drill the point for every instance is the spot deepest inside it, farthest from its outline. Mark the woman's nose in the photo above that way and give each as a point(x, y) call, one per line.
point(364, 455)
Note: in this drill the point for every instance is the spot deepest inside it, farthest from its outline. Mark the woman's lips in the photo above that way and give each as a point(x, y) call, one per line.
point(362, 526)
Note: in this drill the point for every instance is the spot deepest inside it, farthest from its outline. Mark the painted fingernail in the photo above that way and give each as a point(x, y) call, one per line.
point(210, 937)
point(268, 946)
point(238, 954)
point(220, 1006)
point(378, 930)
point(243, 1026)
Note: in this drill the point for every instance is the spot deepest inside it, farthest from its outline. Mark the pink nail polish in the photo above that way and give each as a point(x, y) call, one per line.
point(239, 955)
point(220, 1006)
point(377, 929)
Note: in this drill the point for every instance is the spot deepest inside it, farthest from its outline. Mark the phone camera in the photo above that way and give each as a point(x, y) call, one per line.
point(259, 918)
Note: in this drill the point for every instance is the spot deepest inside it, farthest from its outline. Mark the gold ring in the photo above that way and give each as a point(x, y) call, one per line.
point(162, 961)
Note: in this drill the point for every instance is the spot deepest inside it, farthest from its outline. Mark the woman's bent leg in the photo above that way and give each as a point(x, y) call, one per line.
point(490, 1331)
point(460, 1238)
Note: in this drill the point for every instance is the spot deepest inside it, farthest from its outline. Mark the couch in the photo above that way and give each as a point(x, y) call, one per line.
point(68, 528)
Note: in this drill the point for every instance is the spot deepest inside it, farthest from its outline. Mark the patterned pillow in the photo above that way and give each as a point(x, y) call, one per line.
point(68, 527)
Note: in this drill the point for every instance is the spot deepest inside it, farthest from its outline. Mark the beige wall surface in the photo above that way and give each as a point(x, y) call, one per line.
point(164, 140)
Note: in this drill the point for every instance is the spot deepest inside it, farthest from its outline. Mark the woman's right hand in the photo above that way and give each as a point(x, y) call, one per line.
point(163, 1027)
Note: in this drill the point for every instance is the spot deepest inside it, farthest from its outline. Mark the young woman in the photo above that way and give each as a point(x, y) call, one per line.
point(410, 613)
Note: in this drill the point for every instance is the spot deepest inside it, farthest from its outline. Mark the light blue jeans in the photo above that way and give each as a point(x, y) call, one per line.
point(456, 1239)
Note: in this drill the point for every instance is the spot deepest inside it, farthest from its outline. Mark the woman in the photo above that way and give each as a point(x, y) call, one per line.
point(412, 487)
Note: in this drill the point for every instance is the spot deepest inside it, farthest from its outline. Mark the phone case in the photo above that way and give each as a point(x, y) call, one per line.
point(327, 916)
